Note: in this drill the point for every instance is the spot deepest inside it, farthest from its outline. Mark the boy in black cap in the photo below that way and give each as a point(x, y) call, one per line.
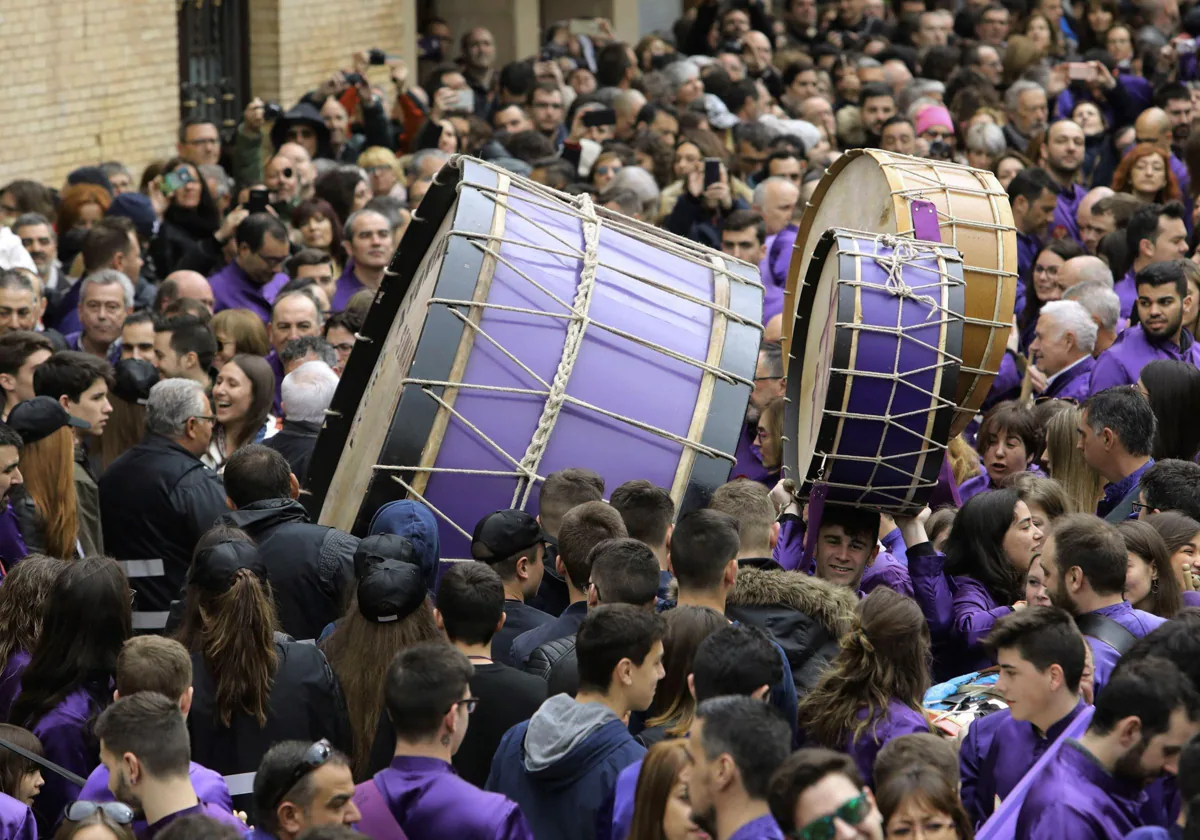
point(513, 544)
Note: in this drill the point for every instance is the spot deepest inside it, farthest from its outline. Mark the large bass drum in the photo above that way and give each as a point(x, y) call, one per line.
point(874, 367)
point(519, 331)
point(874, 190)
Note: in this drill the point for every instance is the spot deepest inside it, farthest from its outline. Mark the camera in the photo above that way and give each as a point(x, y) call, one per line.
point(272, 111)
point(429, 48)
point(940, 150)
point(354, 78)
point(377, 57)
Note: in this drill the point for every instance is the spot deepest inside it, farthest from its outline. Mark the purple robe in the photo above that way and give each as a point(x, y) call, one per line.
point(624, 794)
point(980, 483)
point(277, 368)
point(1028, 247)
point(1006, 385)
point(10, 681)
point(772, 303)
point(774, 266)
point(898, 720)
point(205, 809)
point(1066, 211)
point(888, 571)
point(233, 289)
point(429, 799)
point(12, 546)
point(74, 342)
point(209, 785)
point(347, 285)
point(1191, 598)
point(16, 820)
point(1126, 289)
point(763, 828)
point(1074, 797)
point(1072, 383)
point(1118, 491)
point(1136, 621)
point(66, 736)
point(993, 759)
point(749, 461)
point(789, 548)
point(1122, 363)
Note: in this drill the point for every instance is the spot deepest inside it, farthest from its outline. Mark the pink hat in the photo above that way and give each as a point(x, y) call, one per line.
point(931, 116)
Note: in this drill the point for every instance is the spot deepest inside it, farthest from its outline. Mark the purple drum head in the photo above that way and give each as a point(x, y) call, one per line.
point(882, 380)
point(637, 377)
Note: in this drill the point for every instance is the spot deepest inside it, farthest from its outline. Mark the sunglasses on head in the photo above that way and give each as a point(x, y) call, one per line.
point(852, 813)
point(316, 756)
point(81, 809)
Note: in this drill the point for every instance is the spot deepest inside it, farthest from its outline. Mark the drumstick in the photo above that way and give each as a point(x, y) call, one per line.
point(1026, 397)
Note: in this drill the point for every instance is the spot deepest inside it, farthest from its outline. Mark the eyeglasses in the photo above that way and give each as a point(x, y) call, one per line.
point(1138, 507)
point(273, 262)
point(851, 813)
point(316, 756)
point(471, 703)
point(81, 809)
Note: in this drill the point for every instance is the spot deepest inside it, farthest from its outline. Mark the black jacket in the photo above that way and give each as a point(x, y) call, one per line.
point(306, 704)
point(156, 501)
point(558, 664)
point(308, 565)
point(807, 616)
point(295, 441)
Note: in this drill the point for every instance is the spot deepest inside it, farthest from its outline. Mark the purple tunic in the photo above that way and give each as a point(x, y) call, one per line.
point(347, 285)
point(12, 546)
point(1006, 385)
point(763, 828)
point(888, 571)
point(1116, 492)
point(204, 808)
point(749, 461)
point(1122, 363)
point(994, 758)
point(277, 367)
point(66, 736)
point(429, 799)
point(774, 266)
point(74, 343)
point(1027, 251)
point(209, 785)
point(977, 484)
point(898, 720)
point(1126, 289)
point(1072, 383)
point(1074, 797)
point(1136, 621)
point(233, 289)
point(16, 820)
point(789, 548)
point(1191, 598)
point(10, 681)
point(1066, 211)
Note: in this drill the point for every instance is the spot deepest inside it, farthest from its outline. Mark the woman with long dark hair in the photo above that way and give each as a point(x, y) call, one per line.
point(241, 399)
point(253, 686)
point(1150, 583)
point(364, 643)
point(1181, 535)
point(69, 680)
point(661, 810)
point(1172, 388)
point(987, 557)
point(22, 605)
point(191, 215)
point(674, 706)
point(873, 690)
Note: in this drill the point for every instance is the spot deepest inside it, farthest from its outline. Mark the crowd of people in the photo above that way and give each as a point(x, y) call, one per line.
point(184, 653)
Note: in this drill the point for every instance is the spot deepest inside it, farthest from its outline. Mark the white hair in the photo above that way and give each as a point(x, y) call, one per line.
point(107, 277)
point(1071, 317)
point(1099, 299)
point(642, 183)
point(987, 138)
point(760, 192)
point(171, 404)
point(1013, 98)
point(308, 391)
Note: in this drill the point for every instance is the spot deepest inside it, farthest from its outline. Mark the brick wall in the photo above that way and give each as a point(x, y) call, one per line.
point(86, 81)
point(294, 43)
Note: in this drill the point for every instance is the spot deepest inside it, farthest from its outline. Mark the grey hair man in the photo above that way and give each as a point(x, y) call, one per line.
point(105, 298)
point(1101, 302)
point(1062, 345)
point(775, 200)
point(307, 393)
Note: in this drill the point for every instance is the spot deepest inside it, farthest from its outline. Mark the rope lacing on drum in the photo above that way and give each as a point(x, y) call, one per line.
point(903, 251)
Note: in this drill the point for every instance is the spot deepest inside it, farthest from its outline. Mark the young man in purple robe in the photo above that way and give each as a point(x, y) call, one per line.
point(1041, 655)
point(735, 744)
point(1116, 435)
point(1094, 787)
point(1085, 562)
point(428, 699)
point(144, 745)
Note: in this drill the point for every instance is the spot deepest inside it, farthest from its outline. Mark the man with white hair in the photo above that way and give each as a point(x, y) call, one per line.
point(627, 104)
point(1062, 349)
point(1102, 303)
point(105, 298)
point(1027, 108)
point(177, 498)
point(307, 393)
point(775, 200)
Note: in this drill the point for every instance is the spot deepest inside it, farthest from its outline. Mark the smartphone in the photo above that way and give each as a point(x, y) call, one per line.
point(257, 203)
point(712, 172)
point(1078, 71)
point(584, 26)
point(377, 57)
point(354, 78)
point(599, 116)
point(175, 179)
point(571, 153)
point(465, 101)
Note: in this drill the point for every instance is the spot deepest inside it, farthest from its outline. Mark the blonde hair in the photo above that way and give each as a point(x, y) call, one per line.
point(380, 156)
point(964, 461)
point(1081, 483)
point(244, 329)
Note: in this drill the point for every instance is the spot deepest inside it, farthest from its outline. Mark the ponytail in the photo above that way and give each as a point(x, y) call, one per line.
point(238, 643)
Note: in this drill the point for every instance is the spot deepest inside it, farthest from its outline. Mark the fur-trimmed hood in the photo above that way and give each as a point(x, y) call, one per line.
point(830, 605)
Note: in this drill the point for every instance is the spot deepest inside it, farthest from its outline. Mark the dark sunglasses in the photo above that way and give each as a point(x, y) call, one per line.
point(81, 809)
point(316, 756)
point(851, 813)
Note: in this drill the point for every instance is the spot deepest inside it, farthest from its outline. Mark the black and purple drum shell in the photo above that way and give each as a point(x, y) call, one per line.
point(880, 437)
point(401, 421)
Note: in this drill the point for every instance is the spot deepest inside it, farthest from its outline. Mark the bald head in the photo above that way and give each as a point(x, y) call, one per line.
point(1154, 126)
point(1080, 269)
point(192, 284)
point(1089, 199)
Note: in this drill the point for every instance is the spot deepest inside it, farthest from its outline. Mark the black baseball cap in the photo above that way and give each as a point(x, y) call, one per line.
point(502, 534)
point(214, 568)
point(41, 417)
point(390, 591)
point(133, 379)
point(379, 548)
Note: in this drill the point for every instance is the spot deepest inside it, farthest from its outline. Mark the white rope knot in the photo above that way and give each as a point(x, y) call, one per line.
point(570, 353)
point(903, 252)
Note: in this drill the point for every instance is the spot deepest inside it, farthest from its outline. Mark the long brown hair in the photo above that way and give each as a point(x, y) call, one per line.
point(235, 632)
point(125, 428)
point(262, 387)
point(14, 768)
point(884, 657)
point(673, 702)
point(1143, 539)
point(22, 602)
point(931, 789)
point(658, 777)
point(244, 329)
point(1067, 467)
point(48, 467)
point(359, 651)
